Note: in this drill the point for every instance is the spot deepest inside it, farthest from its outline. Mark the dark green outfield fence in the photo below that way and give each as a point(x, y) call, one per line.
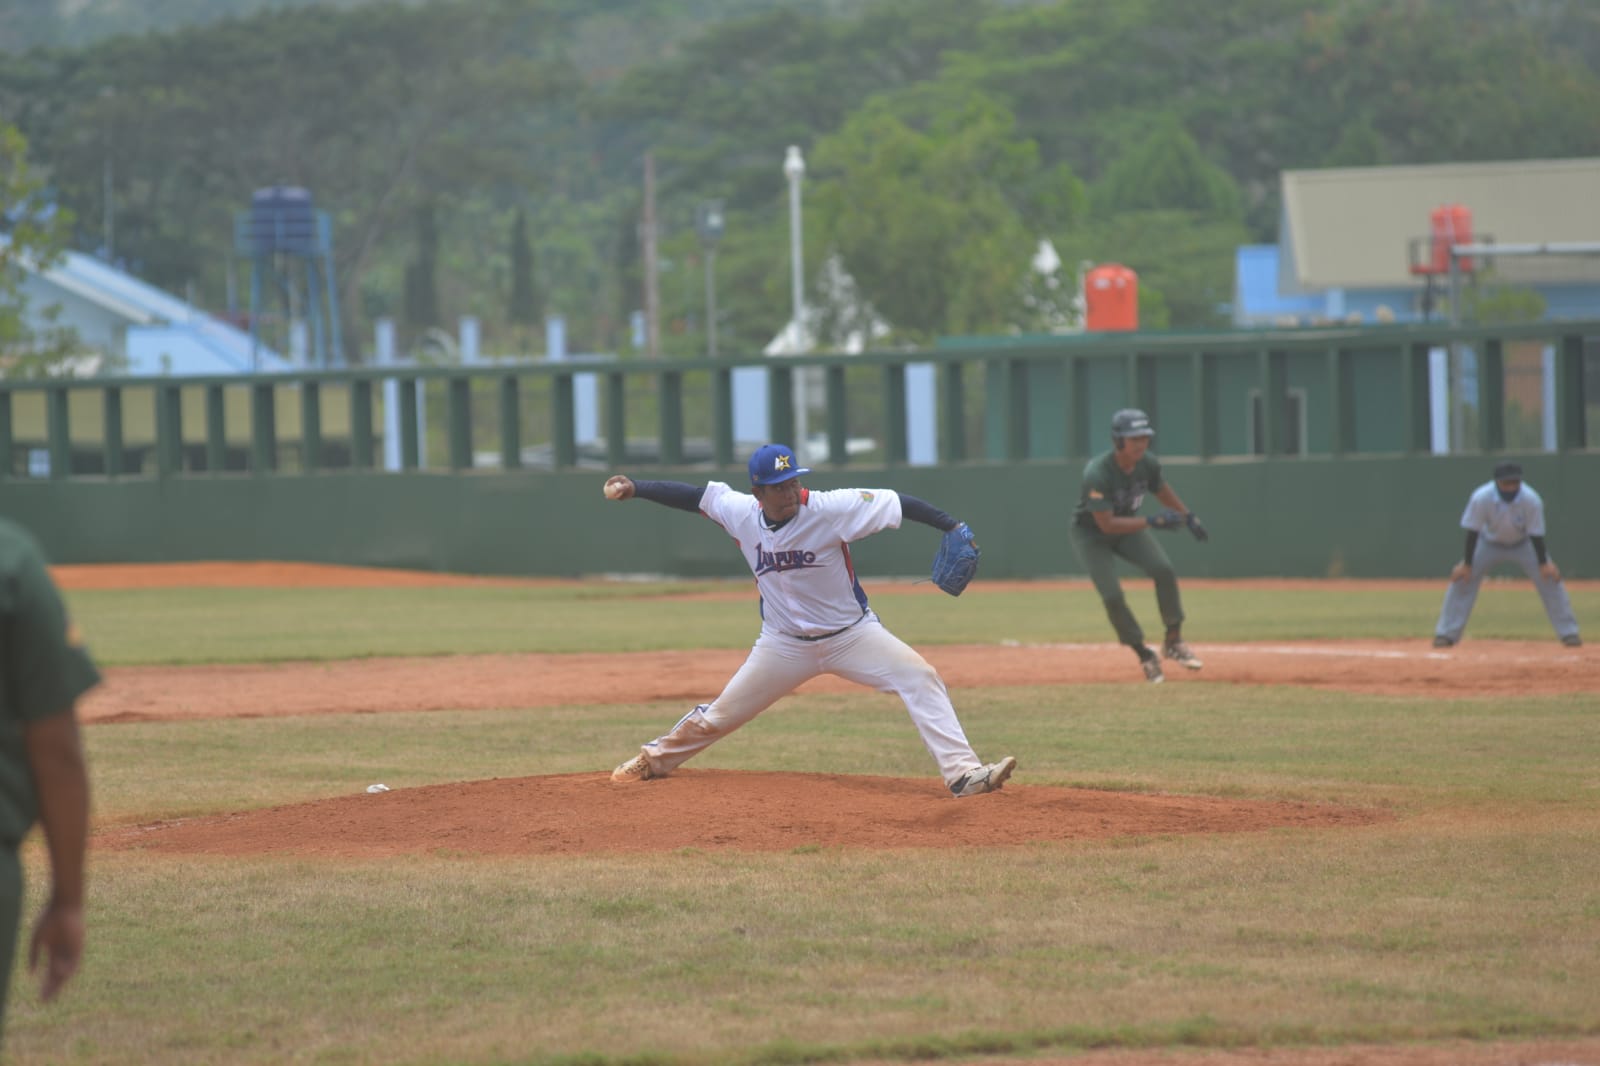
point(1305, 451)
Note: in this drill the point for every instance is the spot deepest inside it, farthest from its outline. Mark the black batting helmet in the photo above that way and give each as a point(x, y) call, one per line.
point(1130, 422)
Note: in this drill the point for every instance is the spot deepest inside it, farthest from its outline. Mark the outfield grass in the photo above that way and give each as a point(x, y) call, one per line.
point(1475, 911)
point(243, 625)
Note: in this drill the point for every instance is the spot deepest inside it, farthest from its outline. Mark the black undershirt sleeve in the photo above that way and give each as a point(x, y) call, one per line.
point(1538, 549)
point(926, 513)
point(1472, 546)
point(679, 494)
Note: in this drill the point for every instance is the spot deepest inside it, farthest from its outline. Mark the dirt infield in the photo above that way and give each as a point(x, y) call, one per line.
point(587, 813)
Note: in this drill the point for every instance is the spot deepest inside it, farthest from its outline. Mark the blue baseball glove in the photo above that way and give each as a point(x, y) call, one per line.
point(956, 562)
point(1165, 520)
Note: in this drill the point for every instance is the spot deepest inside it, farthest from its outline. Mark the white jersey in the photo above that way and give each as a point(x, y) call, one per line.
point(803, 571)
point(1504, 523)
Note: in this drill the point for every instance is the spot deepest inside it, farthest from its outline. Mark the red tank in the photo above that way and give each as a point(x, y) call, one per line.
point(1450, 224)
point(1111, 298)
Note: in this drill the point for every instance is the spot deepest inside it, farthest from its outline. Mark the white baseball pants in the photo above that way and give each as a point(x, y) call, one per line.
point(866, 653)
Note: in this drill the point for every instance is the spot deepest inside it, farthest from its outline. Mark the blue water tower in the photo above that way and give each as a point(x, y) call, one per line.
point(290, 247)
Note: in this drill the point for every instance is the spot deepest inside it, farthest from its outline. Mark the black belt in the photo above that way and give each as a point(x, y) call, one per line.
point(836, 632)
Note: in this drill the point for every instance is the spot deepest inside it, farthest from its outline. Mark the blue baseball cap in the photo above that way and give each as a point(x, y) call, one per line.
point(774, 463)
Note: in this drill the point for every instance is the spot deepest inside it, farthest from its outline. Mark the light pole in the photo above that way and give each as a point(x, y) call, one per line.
point(708, 223)
point(108, 208)
point(794, 169)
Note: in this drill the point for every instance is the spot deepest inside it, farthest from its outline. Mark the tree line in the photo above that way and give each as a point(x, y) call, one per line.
point(475, 160)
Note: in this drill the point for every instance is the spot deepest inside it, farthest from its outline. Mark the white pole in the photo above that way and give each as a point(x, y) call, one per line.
point(1457, 400)
point(383, 329)
point(1547, 396)
point(652, 293)
point(794, 168)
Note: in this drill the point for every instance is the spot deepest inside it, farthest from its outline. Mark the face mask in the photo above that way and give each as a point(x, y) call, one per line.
point(1508, 496)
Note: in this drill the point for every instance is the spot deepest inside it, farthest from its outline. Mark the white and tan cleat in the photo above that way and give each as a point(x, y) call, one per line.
point(635, 769)
point(984, 779)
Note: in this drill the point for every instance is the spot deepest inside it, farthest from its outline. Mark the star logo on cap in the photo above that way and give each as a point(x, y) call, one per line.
point(780, 463)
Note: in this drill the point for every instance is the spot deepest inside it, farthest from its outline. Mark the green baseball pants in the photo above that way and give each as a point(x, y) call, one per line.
point(1099, 555)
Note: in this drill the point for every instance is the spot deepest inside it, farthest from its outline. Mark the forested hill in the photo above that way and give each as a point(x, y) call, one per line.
point(630, 27)
point(474, 163)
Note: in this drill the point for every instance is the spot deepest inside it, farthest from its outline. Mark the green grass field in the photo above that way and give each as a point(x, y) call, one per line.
point(1474, 912)
point(200, 625)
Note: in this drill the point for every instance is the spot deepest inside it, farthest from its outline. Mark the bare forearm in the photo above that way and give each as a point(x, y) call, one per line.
point(62, 782)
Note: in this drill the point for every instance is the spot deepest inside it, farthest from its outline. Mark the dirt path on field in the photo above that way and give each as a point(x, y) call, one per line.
point(1578, 1051)
point(469, 682)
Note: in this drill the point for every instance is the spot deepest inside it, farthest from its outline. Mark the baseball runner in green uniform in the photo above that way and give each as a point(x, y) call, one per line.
point(43, 670)
point(1107, 524)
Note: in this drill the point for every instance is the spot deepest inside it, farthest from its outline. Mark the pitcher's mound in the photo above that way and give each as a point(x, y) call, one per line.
point(708, 810)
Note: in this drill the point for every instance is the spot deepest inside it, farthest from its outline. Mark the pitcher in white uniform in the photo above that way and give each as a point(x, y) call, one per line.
point(1504, 521)
point(814, 613)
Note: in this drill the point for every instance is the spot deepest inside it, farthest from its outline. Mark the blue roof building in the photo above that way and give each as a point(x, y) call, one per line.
point(134, 327)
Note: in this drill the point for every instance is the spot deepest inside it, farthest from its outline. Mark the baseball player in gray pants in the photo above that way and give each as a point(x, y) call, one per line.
point(1504, 521)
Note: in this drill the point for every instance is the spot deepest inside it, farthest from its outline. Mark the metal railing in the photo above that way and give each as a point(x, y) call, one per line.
point(993, 399)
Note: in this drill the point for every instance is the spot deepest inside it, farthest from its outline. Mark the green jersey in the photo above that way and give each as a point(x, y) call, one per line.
point(1107, 487)
point(43, 670)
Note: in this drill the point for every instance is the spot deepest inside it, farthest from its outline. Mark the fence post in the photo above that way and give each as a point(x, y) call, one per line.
point(1570, 431)
point(838, 420)
point(563, 422)
point(169, 430)
point(410, 445)
point(1492, 396)
point(111, 406)
point(1075, 402)
point(895, 450)
point(671, 428)
point(6, 436)
point(955, 402)
point(1338, 403)
point(361, 449)
point(216, 429)
point(263, 429)
point(460, 418)
point(780, 404)
point(1414, 397)
point(721, 413)
point(310, 426)
point(616, 419)
point(511, 422)
point(59, 433)
point(1269, 427)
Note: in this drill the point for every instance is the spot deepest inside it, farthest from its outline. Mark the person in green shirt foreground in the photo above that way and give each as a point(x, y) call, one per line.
point(1107, 524)
point(44, 669)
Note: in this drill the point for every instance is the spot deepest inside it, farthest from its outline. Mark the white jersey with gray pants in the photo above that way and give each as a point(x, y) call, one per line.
point(815, 620)
point(1504, 529)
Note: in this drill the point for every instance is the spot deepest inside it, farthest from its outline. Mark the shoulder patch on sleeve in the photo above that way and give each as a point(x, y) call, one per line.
point(867, 496)
point(1094, 494)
